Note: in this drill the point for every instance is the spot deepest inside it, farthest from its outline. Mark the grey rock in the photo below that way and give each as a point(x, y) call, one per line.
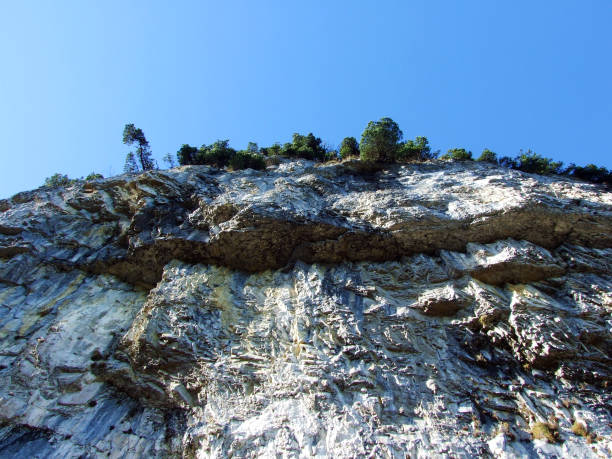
point(430, 310)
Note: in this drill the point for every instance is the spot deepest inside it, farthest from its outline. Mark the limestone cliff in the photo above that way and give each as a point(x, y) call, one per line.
point(439, 309)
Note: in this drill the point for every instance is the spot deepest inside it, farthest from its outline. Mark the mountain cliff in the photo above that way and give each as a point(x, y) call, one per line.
point(438, 309)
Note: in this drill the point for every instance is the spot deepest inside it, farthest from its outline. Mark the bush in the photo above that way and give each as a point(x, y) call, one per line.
point(590, 173)
point(245, 159)
point(274, 150)
point(305, 146)
point(415, 150)
point(349, 148)
point(57, 180)
point(94, 176)
point(543, 431)
point(533, 163)
point(488, 156)
point(580, 428)
point(186, 155)
point(457, 154)
point(217, 154)
point(331, 155)
point(380, 141)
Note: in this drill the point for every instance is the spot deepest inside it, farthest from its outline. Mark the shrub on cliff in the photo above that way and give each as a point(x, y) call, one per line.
point(415, 150)
point(380, 141)
point(457, 154)
point(57, 180)
point(349, 148)
point(94, 176)
point(535, 164)
point(331, 155)
point(304, 146)
point(273, 150)
point(589, 173)
point(186, 155)
point(217, 154)
point(487, 156)
point(245, 159)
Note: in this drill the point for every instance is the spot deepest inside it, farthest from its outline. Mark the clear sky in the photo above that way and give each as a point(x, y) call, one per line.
point(465, 73)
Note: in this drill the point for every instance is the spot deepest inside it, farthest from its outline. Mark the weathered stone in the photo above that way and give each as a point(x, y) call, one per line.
point(334, 311)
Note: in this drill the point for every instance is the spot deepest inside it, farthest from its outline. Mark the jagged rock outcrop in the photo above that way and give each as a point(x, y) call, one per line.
point(439, 309)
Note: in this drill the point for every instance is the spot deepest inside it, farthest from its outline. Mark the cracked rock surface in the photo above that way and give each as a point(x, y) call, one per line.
point(428, 310)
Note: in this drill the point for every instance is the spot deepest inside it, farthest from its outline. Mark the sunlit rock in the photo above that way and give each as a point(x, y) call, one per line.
point(426, 310)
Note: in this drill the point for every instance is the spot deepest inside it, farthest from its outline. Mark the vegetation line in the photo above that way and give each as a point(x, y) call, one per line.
point(381, 142)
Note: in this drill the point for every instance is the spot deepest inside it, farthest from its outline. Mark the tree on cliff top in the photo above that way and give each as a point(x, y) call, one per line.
point(349, 148)
point(380, 141)
point(133, 135)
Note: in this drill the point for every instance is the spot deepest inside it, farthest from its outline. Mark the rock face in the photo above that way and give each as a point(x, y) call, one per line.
point(450, 310)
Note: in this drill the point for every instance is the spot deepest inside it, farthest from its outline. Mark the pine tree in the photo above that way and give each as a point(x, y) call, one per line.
point(380, 141)
point(130, 164)
point(132, 135)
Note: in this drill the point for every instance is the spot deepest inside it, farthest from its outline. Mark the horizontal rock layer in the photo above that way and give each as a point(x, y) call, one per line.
point(431, 309)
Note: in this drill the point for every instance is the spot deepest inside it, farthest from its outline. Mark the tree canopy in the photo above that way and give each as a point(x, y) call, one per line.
point(305, 146)
point(349, 148)
point(380, 141)
point(415, 150)
point(458, 154)
point(487, 156)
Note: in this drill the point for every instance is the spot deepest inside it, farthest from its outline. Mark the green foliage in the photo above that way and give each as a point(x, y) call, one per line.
point(57, 180)
point(133, 135)
point(488, 156)
point(274, 150)
point(187, 155)
point(94, 176)
point(331, 155)
point(590, 173)
point(349, 148)
point(305, 146)
point(246, 159)
point(415, 150)
point(217, 154)
point(457, 154)
point(380, 141)
point(535, 164)
point(130, 166)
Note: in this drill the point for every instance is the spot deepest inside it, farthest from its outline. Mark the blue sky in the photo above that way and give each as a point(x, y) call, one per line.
point(471, 74)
